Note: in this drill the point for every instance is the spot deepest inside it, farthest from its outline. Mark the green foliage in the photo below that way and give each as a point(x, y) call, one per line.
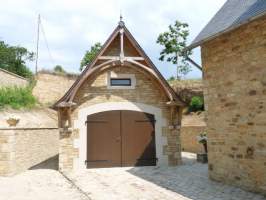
point(174, 41)
point(203, 139)
point(90, 55)
point(17, 97)
point(196, 104)
point(59, 69)
point(171, 79)
point(13, 59)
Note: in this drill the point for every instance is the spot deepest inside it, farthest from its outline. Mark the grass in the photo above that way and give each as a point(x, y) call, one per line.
point(17, 97)
point(66, 74)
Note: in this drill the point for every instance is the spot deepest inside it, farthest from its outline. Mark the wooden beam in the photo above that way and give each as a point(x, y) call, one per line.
point(172, 103)
point(180, 114)
point(66, 104)
point(194, 63)
point(109, 58)
point(122, 55)
point(111, 63)
point(117, 58)
point(59, 118)
point(134, 58)
point(69, 117)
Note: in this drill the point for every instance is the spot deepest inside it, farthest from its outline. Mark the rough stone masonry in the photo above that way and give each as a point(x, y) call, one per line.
point(235, 95)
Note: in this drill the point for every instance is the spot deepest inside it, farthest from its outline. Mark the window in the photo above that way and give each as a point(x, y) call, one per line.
point(120, 82)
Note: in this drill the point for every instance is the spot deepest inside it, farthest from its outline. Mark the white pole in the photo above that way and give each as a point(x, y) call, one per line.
point(37, 46)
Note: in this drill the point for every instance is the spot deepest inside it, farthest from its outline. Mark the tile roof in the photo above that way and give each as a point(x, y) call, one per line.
point(233, 14)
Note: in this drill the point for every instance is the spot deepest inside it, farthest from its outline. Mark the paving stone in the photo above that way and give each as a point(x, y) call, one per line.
point(187, 182)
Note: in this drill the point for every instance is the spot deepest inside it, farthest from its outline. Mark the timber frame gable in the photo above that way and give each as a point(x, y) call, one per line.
point(102, 62)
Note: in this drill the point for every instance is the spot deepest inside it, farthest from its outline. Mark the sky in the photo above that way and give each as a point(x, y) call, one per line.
point(72, 26)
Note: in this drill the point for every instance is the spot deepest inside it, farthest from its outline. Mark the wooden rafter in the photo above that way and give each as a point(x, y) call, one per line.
point(112, 63)
point(122, 55)
point(119, 60)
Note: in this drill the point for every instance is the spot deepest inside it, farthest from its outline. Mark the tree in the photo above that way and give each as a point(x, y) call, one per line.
point(59, 69)
point(171, 78)
point(174, 41)
point(13, 59)
point(90, 55)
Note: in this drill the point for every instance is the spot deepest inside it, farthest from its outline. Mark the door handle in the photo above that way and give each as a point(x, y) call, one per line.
point(118, 139)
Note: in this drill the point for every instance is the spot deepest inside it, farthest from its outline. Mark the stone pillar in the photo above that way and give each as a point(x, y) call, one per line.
point(65, 147)
point(7, 152)
point(68, 153)
point(173, 148)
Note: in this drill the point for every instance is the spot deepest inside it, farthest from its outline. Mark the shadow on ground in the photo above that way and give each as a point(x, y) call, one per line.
point(50, 163)
point(190, 180)
point(186, 180)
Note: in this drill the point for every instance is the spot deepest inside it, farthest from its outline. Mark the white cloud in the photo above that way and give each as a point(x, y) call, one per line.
point(72, 26)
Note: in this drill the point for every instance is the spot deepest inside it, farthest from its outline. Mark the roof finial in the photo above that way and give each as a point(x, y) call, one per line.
point(121, 17)
point(121, 22)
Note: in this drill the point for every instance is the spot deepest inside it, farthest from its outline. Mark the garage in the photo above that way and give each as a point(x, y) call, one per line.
point(120, 138)
point(120, 111)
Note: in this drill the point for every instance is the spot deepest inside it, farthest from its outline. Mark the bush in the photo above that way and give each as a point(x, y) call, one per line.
point(16, 97)
point(22, 70)
point(170, 79)
point(196, 104)
point(59, 69)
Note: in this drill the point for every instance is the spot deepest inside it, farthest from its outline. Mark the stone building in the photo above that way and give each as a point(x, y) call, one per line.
point(9, 79)
point(120, 111)
point(233, 46)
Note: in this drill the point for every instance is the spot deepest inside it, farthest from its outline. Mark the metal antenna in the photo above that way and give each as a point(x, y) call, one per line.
point(37, 46)
point(121, 22)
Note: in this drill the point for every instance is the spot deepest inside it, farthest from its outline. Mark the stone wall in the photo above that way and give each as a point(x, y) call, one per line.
point(235, 95)
point(192, 125)
point(7, 152)
point(33, 147)
point(34, 140)
point(21, 149)
point(188, 136)
point(8, 79)
point(95, 91)
point(51, 87)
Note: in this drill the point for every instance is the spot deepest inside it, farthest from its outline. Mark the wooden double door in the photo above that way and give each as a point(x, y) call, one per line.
point(120, 138)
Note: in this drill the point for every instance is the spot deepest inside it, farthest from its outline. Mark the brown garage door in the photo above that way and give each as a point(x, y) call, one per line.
point(120, 138)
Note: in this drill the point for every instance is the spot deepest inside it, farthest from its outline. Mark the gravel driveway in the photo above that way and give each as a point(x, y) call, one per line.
point(186, 182)
point(41, 184)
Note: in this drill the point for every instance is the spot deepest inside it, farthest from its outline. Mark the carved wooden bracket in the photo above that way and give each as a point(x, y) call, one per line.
point(64, 118)
point(175, 113)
